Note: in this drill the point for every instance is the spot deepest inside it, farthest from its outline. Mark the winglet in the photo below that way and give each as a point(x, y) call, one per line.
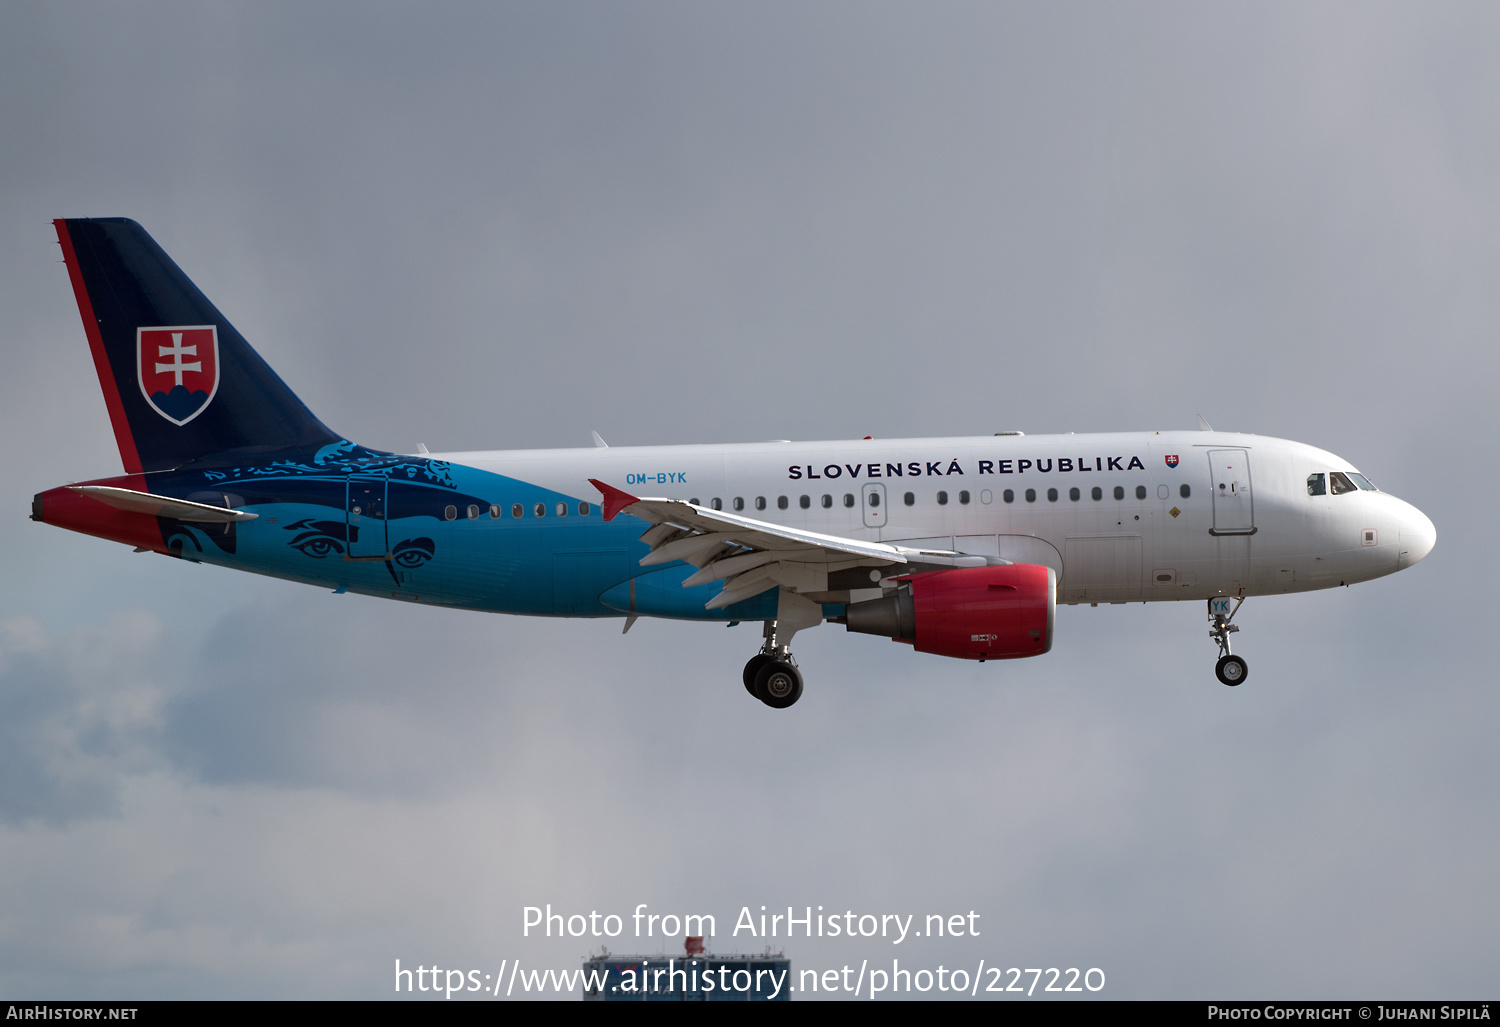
point(614, 499)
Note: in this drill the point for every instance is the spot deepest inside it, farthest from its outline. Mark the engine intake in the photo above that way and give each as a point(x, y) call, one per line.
point(971, 613)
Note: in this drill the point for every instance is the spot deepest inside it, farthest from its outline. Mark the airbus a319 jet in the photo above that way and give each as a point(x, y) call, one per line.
point(959, 547)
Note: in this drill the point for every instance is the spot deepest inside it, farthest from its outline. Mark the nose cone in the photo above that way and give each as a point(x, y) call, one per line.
point(1418, 536)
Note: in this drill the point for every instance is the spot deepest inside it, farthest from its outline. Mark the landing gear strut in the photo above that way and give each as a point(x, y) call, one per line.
point(771, 675)
point(1231, 669)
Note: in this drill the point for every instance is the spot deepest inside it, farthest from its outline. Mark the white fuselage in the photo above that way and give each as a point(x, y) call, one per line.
point(1121, 517)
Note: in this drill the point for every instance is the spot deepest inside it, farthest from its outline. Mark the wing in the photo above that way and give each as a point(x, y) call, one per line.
point(750, 556)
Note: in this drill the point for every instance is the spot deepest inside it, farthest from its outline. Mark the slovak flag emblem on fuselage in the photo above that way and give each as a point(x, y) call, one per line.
point(1172, 460)
point(178, 368)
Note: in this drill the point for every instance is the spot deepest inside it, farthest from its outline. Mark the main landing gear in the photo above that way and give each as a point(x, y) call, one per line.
point(771, 676)
point(1231, 669)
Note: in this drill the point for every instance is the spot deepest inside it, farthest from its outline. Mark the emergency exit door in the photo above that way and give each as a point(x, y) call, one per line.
point(1234, 505)
point(872, 503)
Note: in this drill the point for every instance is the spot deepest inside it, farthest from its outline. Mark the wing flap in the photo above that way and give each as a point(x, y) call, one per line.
point(750, 556)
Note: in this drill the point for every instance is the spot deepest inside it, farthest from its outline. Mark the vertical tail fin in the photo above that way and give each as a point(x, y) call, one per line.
point(180, 383)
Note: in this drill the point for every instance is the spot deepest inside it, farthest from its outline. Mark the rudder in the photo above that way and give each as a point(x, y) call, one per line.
point(180, 383)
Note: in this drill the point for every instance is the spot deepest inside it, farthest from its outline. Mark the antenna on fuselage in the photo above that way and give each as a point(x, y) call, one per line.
point(598, 442)
point(1203, 423)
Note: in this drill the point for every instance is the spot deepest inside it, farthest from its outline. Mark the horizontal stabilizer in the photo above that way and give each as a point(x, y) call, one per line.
point(162, 506)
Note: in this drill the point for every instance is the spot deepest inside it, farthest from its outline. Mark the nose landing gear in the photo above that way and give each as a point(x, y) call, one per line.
point(771, 676)
point(1231, 669)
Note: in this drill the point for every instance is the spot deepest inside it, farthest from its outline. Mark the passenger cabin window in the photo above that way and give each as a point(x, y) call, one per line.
point(874, 498)
point(1140, 492)
point(562, 509)
point(1008, 495)
point(739, 502)
point(909, 499)
point(848, 499)
point(805, 502)
point(716, 503)
point(1186, 491)
point(450, 513)
point(1315, 485)
point(1031, 495)
point(583, 509)
point(827, 502)
point(942, 499)
point(517, 510)
point(494, 511)
point(760, 502)
point(1119, 491)
point(1097, 493)
point(781, 502)
point(1074, 494)
point(1339, 483)
point(473, 512)
point(1052, 495)
point(963, 497)
point(540, 510)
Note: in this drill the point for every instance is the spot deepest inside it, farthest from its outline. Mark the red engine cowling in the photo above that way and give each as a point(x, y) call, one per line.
point(972, 613)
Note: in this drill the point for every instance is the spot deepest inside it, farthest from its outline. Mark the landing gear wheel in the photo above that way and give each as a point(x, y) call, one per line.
point(752, 668)
point(1231, 670)
point(778, 684)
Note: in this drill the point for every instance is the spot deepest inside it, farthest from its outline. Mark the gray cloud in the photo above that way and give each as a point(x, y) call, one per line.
point(81, 710)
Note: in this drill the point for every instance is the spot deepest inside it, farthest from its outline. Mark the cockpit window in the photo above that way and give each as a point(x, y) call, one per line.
point(1339, 483)
point(1362, 482)
point(1315, 485)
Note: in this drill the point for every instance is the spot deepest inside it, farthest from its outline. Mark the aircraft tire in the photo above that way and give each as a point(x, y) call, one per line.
point(752, 668)
point(1232, 670)
point(778, 685)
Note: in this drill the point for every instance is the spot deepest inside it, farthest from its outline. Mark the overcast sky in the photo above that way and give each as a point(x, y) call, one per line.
point(490, 226)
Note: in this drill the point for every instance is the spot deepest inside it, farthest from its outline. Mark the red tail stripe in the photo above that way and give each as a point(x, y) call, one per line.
point(128, 455)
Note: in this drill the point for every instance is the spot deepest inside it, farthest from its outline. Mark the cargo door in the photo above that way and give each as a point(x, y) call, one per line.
point(1102, 567)
point(1234, 507)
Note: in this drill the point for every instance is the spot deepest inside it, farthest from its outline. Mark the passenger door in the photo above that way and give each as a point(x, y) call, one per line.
point(365, 510)
point(1234, 507)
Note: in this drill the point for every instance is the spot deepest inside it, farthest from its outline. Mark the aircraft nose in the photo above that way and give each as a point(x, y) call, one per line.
point(1418, 536)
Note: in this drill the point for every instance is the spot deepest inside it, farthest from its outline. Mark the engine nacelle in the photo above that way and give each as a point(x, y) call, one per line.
point(972, 613)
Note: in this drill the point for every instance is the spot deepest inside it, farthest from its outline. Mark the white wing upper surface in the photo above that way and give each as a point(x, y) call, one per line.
point(750, 555)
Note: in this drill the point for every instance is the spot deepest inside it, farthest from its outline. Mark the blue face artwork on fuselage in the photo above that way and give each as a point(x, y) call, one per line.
point(320, 539)
point(323, 519)
point(415, 487)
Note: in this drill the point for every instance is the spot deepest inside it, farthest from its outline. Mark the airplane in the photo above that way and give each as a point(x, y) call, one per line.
point(958, 547)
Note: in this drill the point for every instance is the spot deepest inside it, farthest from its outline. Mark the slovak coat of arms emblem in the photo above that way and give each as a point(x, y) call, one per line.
point(178, 368)
point(1172, 460)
